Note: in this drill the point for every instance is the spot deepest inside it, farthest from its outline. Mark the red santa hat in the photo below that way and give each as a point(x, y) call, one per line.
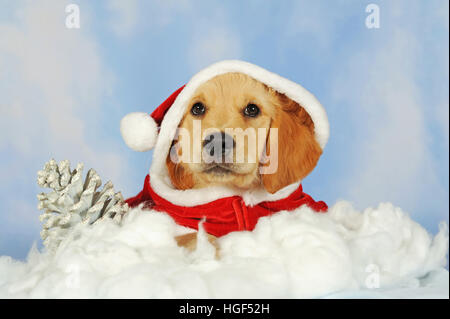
point(143, 132)
point(140, 131)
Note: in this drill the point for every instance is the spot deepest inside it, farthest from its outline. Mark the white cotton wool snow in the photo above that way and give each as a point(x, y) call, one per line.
point(379, 252)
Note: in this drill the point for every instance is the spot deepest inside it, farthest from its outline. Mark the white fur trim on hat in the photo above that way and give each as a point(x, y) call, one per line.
point(139, 131)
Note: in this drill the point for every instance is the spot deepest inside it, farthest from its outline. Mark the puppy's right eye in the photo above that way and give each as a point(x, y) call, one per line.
point(198, 109)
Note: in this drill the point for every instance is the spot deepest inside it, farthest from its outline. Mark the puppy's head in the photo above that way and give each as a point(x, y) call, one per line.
point(239, 132)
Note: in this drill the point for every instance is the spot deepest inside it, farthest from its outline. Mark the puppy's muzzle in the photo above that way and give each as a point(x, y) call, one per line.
point(218, 148)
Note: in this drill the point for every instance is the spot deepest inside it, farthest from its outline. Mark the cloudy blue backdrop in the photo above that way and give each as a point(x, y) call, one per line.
point(63, 91)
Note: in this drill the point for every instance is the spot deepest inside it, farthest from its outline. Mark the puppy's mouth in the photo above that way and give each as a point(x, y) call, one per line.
point(219, 169)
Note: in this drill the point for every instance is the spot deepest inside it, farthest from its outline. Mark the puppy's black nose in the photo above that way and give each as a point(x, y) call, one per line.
point(218, 146)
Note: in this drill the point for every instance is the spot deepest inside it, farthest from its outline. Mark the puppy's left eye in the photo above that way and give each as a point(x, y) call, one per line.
point(251, 110)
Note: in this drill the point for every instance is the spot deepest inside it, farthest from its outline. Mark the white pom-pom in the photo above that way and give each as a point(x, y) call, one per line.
point(139, 131)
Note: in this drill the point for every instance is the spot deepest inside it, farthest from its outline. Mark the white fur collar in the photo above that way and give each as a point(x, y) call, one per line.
point(162, 185)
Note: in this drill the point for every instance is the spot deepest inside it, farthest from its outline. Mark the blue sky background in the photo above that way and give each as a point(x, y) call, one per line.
point(63, 91)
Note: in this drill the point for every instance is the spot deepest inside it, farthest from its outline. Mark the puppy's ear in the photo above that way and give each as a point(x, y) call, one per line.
point(298, 150)
point(179, 175)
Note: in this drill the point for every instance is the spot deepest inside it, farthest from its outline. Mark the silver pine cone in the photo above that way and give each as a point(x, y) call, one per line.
point(73, 201)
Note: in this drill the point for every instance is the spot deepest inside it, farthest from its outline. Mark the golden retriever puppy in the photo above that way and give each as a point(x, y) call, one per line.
point(220, 148)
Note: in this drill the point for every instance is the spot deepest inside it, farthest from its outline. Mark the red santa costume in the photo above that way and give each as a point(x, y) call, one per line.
point(222, 209)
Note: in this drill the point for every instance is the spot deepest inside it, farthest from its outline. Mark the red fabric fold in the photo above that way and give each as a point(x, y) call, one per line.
point(223, 215)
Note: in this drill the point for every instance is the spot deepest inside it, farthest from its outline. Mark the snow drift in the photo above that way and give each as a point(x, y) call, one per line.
point(379, 252)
